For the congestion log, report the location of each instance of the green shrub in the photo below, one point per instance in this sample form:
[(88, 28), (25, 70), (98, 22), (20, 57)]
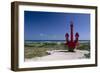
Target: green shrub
[(35, 52), (84, 47), (87, 55)]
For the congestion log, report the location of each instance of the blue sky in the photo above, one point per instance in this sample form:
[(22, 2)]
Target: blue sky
[(53, 26)]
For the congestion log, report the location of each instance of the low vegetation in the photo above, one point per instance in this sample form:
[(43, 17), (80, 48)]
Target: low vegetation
[(84, 46), (31, 52), (87, 55)]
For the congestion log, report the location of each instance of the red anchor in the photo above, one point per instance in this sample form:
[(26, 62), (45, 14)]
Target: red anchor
[(72, 43)]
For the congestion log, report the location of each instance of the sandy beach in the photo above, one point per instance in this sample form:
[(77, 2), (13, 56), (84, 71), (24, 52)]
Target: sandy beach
[(60, 55)]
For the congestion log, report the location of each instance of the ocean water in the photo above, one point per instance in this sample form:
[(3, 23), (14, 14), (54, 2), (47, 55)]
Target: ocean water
[(53, 41)]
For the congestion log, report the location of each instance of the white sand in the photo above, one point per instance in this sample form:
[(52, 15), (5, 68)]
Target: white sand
[(58, 55)]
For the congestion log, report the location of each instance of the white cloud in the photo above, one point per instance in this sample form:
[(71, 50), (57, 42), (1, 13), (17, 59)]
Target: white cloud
[(41, 34), (54, 36)]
